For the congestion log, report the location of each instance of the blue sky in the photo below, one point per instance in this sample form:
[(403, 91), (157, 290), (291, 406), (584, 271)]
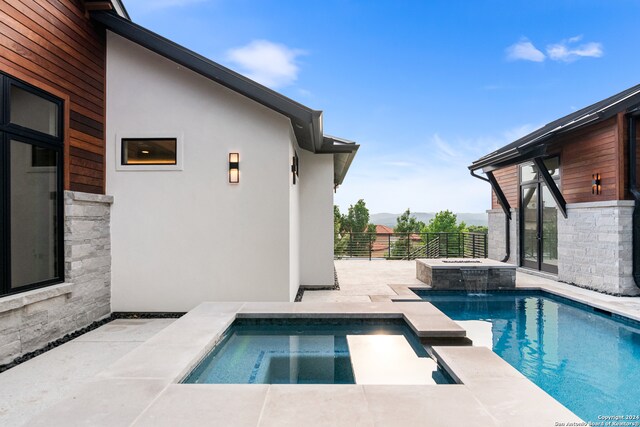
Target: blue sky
[(425, 87)]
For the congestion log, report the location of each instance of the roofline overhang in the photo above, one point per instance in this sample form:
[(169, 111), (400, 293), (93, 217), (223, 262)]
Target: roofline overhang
[(344, 151), (535, 144), (306, 122)]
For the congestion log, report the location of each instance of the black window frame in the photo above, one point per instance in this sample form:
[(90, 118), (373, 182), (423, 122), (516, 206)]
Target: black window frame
[(160, 138), (11, 131), (537, 183)]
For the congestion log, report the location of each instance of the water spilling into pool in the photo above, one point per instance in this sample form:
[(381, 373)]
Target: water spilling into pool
[(588, 361)]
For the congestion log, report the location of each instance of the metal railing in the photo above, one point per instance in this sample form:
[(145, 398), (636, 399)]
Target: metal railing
[(410, 245)]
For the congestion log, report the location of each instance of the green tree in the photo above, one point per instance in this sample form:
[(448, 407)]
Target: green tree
[(357, 218), (445, 222), (407, 223), (483, 229), (362, 233), (339, 242)]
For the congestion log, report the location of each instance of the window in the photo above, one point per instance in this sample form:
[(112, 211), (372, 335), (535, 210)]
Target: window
[(149, 151), (31, 209), (137, 152)]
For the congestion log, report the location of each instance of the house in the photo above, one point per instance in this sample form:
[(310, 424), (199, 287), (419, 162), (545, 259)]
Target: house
[(140, 176), (565, 197)]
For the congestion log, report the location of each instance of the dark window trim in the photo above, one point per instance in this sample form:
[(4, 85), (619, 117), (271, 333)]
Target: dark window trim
[(8, 132), (122, 151), (537, 183)]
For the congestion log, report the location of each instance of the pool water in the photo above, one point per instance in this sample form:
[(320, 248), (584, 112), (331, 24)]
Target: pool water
[(291, 351), (588, 361)]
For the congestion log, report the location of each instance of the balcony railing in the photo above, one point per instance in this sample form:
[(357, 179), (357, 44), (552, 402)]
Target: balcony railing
[(410, 245)]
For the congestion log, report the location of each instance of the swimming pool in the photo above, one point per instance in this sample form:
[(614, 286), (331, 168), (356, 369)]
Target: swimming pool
[(293, 351), (588, 361)]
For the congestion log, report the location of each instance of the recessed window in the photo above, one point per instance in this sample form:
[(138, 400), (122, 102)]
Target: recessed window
[(149, 151)]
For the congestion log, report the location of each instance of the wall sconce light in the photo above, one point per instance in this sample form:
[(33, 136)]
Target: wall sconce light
[(294, 167), (234, 168), (596, 184)]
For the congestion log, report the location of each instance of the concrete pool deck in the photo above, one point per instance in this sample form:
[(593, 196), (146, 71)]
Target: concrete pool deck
[(96, 378), (142, 388), (379, 280)]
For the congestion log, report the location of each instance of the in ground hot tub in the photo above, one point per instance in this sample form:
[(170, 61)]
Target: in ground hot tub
[(470, 274), (318, 351)]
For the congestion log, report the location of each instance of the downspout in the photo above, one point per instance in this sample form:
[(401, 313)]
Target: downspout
[(633, 190), (507, 228)]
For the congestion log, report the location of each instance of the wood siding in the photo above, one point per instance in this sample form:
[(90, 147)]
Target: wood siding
[(599, 148), (509, 182), (53, 45), (583, 153)]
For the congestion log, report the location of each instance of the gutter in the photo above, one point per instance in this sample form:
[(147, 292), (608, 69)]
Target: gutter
[(633, 190)]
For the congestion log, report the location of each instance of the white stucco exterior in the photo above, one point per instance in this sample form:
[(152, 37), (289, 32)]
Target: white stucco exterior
[(316, 222), (180, 237)]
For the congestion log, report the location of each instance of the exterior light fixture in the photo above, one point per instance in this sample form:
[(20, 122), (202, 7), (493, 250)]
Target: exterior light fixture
[(294, 167), (234, 168), (596, 184)]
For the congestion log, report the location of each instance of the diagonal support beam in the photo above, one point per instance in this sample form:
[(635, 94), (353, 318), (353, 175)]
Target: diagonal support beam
[(551, 185), (499, 194)]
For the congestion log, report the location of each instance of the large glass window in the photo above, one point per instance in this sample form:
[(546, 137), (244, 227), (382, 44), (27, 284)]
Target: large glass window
[(31, 225), (539, 217)]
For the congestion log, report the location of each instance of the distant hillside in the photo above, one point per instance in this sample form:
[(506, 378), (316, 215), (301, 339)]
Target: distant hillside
[(389, 219)]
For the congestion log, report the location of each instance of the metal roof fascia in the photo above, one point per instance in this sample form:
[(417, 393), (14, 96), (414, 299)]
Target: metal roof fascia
[(216, 72)]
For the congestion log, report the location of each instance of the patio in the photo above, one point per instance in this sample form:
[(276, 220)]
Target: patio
[(116, 375)]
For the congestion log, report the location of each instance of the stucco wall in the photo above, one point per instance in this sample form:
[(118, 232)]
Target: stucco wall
[(316, 230), (294, 223), (185, 236)]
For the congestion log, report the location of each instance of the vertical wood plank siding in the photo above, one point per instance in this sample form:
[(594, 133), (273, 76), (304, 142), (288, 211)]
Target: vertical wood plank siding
[(594, 149), (52, 44)]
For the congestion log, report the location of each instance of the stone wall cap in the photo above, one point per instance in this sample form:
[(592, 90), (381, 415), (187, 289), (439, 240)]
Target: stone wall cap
[(13, 302), (88, 197), (604, 204)]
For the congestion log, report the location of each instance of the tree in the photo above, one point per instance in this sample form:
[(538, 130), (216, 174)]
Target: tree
[(357, 218), (445, 222), (362, 233), (483, 229), (407, 223), (338, 242)]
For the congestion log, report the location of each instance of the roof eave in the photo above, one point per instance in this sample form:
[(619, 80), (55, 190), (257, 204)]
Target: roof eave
[(306, 122)]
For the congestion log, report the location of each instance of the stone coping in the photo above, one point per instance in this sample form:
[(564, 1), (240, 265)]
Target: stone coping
[(14, 302), (602, 204), (456, 263), (142, 388), (89, 197), (628, 307)]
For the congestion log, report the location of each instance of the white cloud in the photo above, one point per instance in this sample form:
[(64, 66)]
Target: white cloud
[(524, 50), (568, 51), (268, 63), (564, 51)]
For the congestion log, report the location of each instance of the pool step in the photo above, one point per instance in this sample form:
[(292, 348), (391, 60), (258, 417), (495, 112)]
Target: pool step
[(388, 359)]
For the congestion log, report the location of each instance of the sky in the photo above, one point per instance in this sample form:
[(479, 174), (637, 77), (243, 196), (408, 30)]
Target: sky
[(425, 87)]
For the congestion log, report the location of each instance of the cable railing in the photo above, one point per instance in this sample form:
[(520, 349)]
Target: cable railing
[(410, 245)]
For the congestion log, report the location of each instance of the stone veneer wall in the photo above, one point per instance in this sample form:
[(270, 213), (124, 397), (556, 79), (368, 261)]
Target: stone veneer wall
[(30, 320), (496, 242), (595, 247)]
